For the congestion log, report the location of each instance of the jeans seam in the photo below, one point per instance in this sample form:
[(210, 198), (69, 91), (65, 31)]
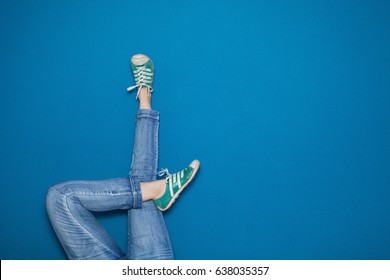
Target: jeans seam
[(155, 150)]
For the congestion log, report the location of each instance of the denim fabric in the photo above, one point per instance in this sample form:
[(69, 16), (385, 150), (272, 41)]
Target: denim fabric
[(69, 206)]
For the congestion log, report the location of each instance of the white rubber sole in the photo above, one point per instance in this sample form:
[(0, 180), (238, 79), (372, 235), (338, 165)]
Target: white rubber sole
[(195, 164)]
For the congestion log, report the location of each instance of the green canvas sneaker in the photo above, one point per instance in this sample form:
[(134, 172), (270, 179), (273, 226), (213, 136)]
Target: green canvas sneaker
[(143, 70), (175, 184)]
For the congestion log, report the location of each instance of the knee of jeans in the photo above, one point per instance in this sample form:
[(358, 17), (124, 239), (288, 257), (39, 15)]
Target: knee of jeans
[(51, 198), (54, 197)]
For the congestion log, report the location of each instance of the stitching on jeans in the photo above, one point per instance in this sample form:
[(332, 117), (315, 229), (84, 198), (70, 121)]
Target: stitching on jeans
[(156, 128), (134, 190)]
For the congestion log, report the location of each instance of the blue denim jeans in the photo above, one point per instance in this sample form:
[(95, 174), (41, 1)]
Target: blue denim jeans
[(70, 206)]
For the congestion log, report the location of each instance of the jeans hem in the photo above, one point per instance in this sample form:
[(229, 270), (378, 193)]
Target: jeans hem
[(148, 113), (135, 187)]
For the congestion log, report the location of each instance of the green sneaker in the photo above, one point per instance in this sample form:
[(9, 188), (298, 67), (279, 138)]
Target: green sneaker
[(143, 70), (175, 184)]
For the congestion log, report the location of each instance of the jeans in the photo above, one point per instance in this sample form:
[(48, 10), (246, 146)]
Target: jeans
[(70, 206)]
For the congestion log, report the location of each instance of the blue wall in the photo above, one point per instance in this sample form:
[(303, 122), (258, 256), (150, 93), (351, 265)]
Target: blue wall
[(285, 103)]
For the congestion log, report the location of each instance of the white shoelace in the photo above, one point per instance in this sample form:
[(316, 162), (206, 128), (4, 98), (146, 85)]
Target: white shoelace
[(142, 75), (164, 171)]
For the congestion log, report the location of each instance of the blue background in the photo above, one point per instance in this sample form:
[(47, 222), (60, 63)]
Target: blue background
[(285, 103)]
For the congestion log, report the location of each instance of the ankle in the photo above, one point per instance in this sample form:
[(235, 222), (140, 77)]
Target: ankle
[(160, 188), (145, 99)]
